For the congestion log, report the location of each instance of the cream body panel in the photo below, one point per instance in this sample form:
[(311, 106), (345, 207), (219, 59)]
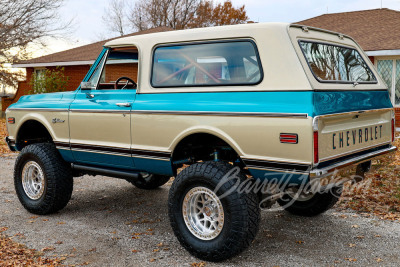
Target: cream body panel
[(282, 70), (59, 131), (331, 128), (101, 129), (251, 137)]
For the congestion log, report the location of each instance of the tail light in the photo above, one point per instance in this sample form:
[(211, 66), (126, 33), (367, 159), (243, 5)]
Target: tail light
[(315, 139), (11, 120), (393, 129), (316, 156)]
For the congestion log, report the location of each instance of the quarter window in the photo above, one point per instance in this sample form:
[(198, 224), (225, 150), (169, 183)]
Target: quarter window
[(206, 64), (332, 63)]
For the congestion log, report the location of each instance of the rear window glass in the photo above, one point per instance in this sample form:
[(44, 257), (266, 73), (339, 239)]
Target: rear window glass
[(331, 63), (206, 64)]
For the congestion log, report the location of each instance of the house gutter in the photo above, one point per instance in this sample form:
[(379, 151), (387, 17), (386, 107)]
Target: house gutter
[(53, 64), (377, 53)]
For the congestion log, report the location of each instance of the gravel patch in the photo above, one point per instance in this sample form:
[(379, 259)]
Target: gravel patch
[(109, 222)]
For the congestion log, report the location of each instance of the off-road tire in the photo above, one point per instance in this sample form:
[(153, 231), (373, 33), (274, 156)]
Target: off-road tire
[(58, 181), (241, 212), (150, 182), (318, 204)]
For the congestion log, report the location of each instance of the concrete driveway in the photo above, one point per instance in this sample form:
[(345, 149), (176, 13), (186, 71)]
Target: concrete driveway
[(109, 222)]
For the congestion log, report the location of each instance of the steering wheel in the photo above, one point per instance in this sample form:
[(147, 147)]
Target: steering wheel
[(127, 82)]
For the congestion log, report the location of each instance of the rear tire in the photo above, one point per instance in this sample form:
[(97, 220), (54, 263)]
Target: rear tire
[(42, 179), (209, 227), (311, 206), (150, 181)]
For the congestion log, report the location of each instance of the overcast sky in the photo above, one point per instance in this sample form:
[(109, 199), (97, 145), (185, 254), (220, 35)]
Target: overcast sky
[(89, 26)]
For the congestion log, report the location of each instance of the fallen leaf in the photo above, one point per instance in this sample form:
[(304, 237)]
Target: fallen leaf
[(47, 249), (352, 245)]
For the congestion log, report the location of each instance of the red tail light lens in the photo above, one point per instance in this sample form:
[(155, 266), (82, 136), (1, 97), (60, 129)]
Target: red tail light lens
[(392, 130), (316, 156), (11, 120)]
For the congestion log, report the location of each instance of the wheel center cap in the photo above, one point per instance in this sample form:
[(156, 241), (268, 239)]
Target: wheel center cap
[(207, 211)]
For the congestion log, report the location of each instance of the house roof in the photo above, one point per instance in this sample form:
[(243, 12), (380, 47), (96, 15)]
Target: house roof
[(375, 29), (83, 55)]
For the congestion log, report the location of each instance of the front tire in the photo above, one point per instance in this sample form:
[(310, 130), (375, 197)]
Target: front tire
[(209, 225), (43, 180)]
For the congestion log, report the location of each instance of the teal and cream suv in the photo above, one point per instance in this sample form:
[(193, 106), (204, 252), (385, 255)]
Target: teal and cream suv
[(236, 106)]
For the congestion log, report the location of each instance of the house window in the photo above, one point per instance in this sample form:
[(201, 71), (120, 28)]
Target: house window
[(40, 73), (389, 69)]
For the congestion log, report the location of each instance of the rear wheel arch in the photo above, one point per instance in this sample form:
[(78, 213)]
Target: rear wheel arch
[(200, 145)]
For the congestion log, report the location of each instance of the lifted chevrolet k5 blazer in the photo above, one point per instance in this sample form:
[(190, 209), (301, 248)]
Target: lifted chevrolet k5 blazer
[(239, 107)]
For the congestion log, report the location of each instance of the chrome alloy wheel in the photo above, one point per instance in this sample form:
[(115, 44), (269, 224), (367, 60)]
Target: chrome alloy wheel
[(203, 213), (33, 180)]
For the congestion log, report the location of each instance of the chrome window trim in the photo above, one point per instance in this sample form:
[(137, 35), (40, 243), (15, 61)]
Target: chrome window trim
[(39, 109), (210, 113), (100, 111), (355, 112)]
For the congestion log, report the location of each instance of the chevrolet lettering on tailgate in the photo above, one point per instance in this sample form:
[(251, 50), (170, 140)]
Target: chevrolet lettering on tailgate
[(359, 136)]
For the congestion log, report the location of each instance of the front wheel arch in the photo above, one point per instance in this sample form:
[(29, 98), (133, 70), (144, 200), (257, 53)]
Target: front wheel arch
[(31, 132)]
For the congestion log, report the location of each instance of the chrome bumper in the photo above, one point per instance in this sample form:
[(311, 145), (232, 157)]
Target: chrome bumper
[(326, 171), (11, 144)]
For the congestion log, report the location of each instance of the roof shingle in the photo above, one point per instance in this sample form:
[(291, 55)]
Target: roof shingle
[(375, 29)]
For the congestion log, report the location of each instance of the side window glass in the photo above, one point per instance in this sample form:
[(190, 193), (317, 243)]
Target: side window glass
[(206, 64), (120, 69)]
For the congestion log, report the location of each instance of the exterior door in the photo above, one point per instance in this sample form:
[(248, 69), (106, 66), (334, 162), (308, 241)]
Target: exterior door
[(100, 115), (100, 127)]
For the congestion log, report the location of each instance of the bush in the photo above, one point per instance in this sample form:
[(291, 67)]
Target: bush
[(49, 81)]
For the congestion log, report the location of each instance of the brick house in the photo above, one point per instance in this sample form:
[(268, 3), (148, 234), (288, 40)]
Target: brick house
[(378, 33), (76, 63)]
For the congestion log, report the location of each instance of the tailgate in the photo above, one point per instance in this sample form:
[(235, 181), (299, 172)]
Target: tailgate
[(352, 132)]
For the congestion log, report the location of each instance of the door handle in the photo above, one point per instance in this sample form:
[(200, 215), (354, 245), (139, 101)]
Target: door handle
[(123, 104)]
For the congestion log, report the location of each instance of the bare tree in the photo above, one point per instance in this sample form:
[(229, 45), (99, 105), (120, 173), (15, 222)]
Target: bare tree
[(23, 23), (115, 17), (176, 14)]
